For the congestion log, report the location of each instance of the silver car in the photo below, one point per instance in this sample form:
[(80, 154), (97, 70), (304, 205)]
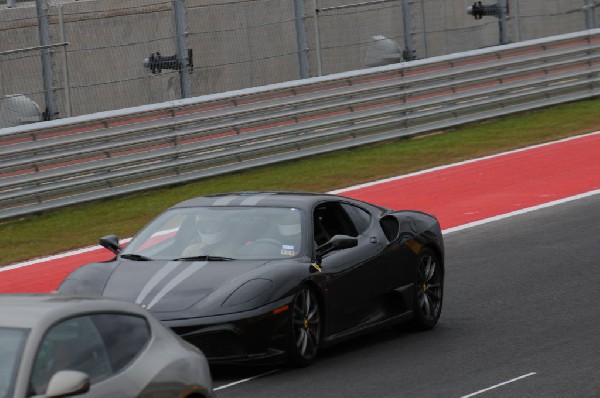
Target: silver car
[(55, 345)]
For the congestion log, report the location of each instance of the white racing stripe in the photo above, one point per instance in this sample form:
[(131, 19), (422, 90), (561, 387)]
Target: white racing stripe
[(155, 280), (177, 279)]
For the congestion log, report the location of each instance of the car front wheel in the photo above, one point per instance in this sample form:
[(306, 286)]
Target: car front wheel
[(305, 331)]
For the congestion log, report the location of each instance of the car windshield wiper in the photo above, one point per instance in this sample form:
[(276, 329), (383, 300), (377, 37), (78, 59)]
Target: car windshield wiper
[(204, 258), (135, 257)]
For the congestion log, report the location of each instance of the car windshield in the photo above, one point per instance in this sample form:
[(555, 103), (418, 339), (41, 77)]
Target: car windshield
[(219, 234), (11, 346)]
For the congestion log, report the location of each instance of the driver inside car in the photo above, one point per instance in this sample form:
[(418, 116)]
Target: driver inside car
[(210, 237), (280, 238)]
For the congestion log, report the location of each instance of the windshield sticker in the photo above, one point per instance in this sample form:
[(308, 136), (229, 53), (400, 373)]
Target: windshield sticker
[(288, 250)]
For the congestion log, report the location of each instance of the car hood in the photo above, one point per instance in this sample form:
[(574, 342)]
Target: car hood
[(168, 286)]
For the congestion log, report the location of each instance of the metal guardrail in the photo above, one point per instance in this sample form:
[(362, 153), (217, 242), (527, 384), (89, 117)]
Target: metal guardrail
[(54, 164)]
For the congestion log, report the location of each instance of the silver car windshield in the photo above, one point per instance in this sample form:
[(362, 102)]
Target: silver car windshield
[(219, 234), (12, 342)]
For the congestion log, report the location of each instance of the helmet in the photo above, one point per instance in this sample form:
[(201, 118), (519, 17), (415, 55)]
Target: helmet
[(289, 223), (210, 227)]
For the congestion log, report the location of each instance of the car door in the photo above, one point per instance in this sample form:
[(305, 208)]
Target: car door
[(400, 257), (354, 275)]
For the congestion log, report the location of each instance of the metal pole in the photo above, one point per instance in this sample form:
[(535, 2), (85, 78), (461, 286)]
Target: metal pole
[(182, 54), (51, 111), (425, 49), (409, 47), (503, 21), (301, 39), (590, 16), (317, 37), (518, 20), (65, 65)]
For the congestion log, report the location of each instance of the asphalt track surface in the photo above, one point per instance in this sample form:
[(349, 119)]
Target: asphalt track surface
[(520, 319)]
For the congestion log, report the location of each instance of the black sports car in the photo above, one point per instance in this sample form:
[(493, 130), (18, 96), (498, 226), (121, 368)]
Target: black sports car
[(269, 276)]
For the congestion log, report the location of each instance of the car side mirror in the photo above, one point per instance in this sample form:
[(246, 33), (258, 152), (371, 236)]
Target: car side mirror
[(338, 242), (111, 242), (67, 383)]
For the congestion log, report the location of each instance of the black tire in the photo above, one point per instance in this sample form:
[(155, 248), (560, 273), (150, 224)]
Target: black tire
[(305, 328), (429, 290)]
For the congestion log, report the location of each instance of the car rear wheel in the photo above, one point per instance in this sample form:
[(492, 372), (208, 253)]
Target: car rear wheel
[(429, 290), (305, 331)]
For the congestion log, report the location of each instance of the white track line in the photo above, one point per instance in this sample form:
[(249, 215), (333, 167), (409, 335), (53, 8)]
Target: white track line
[(245, 380), (447, 166), (521, 211), (499, 385), (56, 256)]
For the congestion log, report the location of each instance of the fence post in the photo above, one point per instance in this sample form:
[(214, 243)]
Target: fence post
[(503, 21), (517, 20), (590, 16), (301, 38), (424, 27), (65, 64), (51, 111), (317, 38), (408, 54), (182, 53)]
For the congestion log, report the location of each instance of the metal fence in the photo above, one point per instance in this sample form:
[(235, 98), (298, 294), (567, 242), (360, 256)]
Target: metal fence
[(63, 162), (97, 48)]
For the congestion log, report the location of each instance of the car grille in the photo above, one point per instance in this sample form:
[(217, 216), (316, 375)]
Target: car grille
[(217, 344)]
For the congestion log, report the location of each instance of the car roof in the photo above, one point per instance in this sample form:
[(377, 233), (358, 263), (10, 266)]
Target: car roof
[(301, 200), (29, 310)]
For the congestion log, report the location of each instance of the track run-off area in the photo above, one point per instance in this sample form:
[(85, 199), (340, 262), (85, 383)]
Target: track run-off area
[(460, 195), (522, 246)]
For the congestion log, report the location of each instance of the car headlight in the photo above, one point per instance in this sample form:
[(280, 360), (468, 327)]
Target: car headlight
[(248, 291)]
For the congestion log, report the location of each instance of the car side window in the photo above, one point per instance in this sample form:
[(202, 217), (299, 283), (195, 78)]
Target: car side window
[(124, 337), (360, 217), (97, 344), (329, 220), (73, 344)]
